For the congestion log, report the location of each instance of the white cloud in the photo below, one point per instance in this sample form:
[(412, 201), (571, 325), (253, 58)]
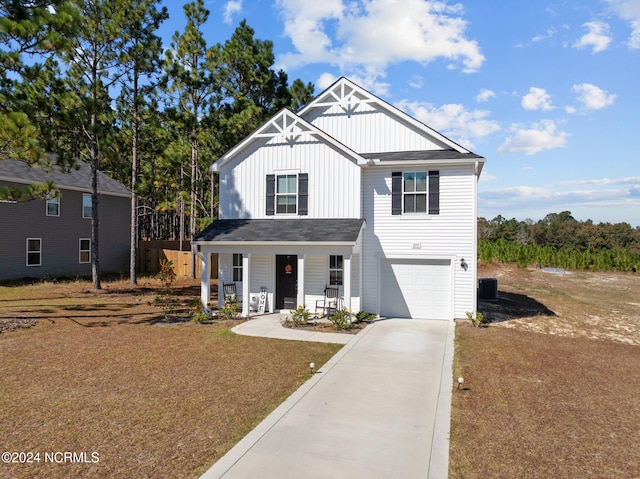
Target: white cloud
[(629, 10), (230, 9), (367, 37), (325, 81), (629, 180), (487, 177), (485, 95), (416, 81), (453, 120), (541, 136), (598, 37), (537, 99), (592, 97)]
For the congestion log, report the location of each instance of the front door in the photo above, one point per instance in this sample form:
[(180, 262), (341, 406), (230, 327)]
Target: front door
[(286, 281)]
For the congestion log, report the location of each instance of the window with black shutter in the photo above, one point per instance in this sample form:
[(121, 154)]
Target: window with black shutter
[(415, 192), (271, 195)]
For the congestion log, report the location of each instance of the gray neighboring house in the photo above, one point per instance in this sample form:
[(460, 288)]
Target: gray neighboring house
[(52, 237)]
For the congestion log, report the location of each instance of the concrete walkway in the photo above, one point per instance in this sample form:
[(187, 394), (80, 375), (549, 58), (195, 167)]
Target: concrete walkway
[(380, 408)]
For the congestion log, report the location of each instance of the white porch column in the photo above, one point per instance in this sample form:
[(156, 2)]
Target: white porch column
[(346, 282), (245, 284), (301, 280), (205, 279)]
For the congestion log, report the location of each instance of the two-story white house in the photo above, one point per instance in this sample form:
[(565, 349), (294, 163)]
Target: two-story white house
[(350, 192)]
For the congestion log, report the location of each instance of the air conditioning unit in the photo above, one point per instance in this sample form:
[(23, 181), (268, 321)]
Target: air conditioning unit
[(488, 289)]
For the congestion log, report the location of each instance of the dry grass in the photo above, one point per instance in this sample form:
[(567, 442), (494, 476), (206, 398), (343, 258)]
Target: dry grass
[(551, 387), (104, 372)]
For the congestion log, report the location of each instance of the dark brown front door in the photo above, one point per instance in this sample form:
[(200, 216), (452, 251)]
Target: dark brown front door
[(286, 281)]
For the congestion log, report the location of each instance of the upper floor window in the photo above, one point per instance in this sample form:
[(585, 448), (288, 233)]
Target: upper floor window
[(414, 191), (34, 251), (87, 208), (53, 206), (85, 250), (237, 267), (336, 270), (286, 194)]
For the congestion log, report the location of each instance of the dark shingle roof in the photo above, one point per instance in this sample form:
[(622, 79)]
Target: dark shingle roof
[(340, 230), (78, 178), (447, 154)]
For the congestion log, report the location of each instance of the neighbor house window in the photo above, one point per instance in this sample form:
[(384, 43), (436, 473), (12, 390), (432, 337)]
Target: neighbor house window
[(237, 267), (87, 210), (336, 270), (34, 251), (85, 250), (53, 206), (414, 191), (286, 194)]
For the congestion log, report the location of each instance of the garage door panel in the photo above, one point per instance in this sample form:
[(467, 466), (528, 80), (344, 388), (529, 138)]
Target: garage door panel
[(417, 289)]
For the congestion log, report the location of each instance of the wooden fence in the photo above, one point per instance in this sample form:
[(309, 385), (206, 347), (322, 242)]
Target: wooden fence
[(151, 252)]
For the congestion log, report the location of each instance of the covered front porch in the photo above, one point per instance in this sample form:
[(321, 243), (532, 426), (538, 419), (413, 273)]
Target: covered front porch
[(292, 260)]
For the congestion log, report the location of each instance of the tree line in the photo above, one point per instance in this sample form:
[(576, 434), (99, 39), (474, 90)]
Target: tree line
[(559, 240), (91, 80)]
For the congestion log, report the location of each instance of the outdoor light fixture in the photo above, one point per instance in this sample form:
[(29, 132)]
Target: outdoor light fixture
[(460, 381), (463, 264), (312, 366)]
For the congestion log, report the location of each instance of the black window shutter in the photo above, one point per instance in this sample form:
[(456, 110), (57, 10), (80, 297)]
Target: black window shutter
[(396, 193), (434, 192), (303, 193), (271, 195)]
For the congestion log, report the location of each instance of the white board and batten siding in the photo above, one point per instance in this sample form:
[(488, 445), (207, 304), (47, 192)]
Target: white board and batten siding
[(368, 129), (434, 243), (334, 181)]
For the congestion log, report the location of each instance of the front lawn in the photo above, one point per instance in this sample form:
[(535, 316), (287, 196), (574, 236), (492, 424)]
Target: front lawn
[(551, 386), (105, 373)]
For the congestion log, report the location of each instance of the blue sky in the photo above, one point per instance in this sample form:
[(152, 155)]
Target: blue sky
[(547, 92)]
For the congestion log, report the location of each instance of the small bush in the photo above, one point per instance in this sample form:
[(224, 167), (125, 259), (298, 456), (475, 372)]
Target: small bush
[(342, 319), (363, 316), (476, 319), (200, 317), (231, 308), (299, 316)]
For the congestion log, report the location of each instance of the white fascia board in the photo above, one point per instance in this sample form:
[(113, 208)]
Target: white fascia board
[(477, 163)]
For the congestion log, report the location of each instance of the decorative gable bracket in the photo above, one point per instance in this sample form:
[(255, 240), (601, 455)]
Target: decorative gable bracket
[(286, 126)]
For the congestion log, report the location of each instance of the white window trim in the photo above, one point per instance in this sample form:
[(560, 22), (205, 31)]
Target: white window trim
[(426, 194), (54, 200), (84, 195), (336, 269), (39, 252), (236, 267), (80, 250), (286, 173)]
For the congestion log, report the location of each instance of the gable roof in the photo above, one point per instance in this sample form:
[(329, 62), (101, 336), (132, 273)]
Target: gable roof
[(290, 127), (78, 178), (347, 94), (285, 230)]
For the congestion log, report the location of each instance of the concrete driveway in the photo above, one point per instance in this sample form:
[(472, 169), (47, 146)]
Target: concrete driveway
[(380, 408)]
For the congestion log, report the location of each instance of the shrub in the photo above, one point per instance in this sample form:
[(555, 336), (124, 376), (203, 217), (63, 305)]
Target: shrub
[(200, 317), (362, 316), (299, 316), (231, 308), (476, 319), (341, 319)]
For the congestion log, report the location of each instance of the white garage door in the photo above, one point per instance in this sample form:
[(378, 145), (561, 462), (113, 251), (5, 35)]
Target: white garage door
[(416, 289)]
